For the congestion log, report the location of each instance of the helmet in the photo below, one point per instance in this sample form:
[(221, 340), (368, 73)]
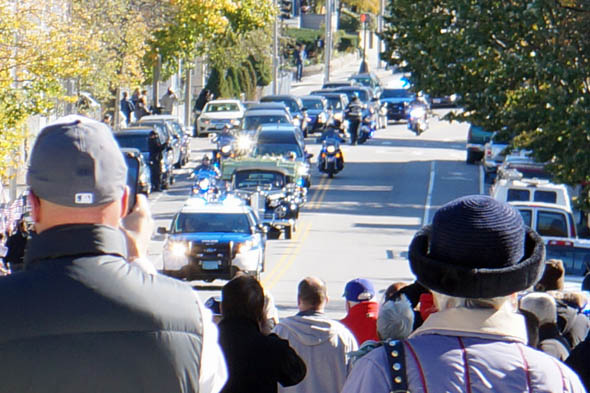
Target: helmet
[(205, 159)]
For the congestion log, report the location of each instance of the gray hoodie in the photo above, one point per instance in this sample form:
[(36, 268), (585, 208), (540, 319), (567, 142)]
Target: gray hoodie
[(323, 345)]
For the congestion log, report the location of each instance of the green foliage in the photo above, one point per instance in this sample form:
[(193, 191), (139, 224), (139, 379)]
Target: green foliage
[(519, 65), (263, 69), (349, 21), (307, 37), (234, 82), (214, 81), (344, 42)]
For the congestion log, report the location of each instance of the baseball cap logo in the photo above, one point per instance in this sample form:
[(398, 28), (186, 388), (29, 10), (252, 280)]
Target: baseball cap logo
[(84, 198)]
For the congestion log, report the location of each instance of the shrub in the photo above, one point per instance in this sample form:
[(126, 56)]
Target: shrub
[(345, 42)]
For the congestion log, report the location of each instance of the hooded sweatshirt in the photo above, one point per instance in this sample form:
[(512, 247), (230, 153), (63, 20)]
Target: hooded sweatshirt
[(323, 345)]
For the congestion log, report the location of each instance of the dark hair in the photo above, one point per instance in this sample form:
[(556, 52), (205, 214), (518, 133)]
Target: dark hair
[(243, 297), (312, 291)]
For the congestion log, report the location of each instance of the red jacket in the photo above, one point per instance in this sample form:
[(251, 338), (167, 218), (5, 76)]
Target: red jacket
[(361, 320)]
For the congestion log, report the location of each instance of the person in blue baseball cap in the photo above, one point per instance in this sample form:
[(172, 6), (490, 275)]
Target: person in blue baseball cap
[(361, 309)]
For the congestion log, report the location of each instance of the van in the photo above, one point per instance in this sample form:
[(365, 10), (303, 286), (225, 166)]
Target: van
[(547, 219), (531, 190), (574, 253)]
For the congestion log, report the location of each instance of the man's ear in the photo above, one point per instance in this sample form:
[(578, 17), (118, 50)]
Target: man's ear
[(35, 204)]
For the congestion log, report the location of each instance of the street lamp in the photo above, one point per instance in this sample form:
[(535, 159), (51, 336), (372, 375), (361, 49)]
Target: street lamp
[(364, 65)]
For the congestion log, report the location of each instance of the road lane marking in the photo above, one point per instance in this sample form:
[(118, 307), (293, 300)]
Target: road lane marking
[(426, 218), (481, 179), (288, 262), (292, 244)]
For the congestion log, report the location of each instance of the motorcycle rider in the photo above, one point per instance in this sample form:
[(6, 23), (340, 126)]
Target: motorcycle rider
[(332, 131), (156, 151), (354, 112), (206, 166)]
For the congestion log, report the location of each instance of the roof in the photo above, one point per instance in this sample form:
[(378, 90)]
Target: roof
[(279, 96), (276, 136), (543, 205), (277, 127)]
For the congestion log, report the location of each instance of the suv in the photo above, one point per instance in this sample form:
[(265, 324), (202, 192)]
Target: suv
[(208, 241), (477, 137), (548, 219)]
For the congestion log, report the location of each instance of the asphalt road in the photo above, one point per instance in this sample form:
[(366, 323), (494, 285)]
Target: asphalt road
[(360, 223)]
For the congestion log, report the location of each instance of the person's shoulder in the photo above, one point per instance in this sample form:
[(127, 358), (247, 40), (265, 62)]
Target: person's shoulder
[(545, 367)]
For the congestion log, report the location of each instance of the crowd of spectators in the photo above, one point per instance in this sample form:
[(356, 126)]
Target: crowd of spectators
[(487, 312)]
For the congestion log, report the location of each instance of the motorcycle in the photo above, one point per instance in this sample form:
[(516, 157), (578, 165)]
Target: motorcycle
[(418, 120), (225, 148), (205, 185), (331, 159), (368, 126)]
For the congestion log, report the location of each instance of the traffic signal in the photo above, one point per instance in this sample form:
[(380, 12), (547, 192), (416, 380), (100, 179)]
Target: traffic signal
[(286, 9)]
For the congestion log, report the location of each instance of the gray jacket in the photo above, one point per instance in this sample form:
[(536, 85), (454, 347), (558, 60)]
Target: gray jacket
[(463, 350), (81, 319), (323, 344)]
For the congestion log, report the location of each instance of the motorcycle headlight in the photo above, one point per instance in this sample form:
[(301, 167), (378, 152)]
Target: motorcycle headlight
[(244, 142), (296, 122), (331, 149), (177, 249), (225, 149), (418, 112), (322, 117), (204, 184)]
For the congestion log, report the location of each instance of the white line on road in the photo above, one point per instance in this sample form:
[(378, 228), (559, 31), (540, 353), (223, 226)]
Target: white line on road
[(481, 179), (426, 218)]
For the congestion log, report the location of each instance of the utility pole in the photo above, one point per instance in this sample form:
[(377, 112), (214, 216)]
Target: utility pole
[(328, 41), (275, 54), (380, 28)]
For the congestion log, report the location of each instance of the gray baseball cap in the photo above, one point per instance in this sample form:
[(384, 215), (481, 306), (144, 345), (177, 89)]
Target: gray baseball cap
[(76, 162)]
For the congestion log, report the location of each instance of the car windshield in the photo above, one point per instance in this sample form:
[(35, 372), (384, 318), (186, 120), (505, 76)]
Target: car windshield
[(576, 260), (277, 149), (211, 222), (397, 93), (137, 141), (292, 105), (255, 179), (222, 107), (313, 104), (334, 103), (365, 81), (362, 94), (252, 122)]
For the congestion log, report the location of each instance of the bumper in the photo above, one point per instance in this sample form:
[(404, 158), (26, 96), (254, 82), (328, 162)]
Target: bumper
[(475, 147), (191, 268)]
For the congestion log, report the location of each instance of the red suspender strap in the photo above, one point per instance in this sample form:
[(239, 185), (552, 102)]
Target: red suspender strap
[(415, 357), (526, 367), (465, 365)]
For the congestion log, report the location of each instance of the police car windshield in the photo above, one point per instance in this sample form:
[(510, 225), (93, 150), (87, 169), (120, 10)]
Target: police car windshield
[(211, 222), (312, 104), (252, 122)]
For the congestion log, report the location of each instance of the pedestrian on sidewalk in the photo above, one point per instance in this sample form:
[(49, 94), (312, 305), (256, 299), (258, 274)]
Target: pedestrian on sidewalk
[(299, 59), (127, 107), (81, 316), (168, 101)]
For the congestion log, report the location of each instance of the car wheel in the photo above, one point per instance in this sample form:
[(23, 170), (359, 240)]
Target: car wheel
[(470, 157)]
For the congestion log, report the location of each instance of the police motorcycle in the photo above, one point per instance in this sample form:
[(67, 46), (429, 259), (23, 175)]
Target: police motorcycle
[(368, 125), (331, 159), (418, 115), (225, 145)]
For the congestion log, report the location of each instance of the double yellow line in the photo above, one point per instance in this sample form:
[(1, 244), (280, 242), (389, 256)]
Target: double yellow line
[(277, 272)]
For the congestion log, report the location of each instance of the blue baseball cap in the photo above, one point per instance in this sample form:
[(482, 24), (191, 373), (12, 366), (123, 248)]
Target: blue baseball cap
[(359, 290)]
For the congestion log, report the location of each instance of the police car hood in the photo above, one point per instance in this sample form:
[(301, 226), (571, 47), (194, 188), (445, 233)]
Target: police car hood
[(212, 237)]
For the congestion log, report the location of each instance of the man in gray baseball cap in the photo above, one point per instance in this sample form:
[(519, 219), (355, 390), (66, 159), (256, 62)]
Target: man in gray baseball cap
[(81, 315)]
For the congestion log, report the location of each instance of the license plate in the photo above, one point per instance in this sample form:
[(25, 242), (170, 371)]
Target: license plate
[(437, 100), (210, 265)]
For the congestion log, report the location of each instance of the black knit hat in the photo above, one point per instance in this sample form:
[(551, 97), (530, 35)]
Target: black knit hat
[(477, 247)]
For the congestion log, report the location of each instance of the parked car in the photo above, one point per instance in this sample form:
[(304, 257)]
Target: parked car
[(477, 137), (139, 138), (522, 167), (397, 103), (177, 131), (208, 241), (144, 184), (494, 154), (317, 111), (447, 101), (531, 190), (173, 140), (548, 219), (336, 102), (296, 108), (369, 80), (217, 113)]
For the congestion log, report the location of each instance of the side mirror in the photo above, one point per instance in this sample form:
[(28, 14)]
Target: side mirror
[(162, 230)]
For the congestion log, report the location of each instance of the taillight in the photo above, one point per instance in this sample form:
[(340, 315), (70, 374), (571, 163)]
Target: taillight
[(563, 243)]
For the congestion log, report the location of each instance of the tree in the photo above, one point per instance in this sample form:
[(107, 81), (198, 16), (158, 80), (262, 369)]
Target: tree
[(37, 52), (519, 66)]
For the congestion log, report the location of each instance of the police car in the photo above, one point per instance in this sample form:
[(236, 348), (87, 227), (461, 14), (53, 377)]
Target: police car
[(208, 241)]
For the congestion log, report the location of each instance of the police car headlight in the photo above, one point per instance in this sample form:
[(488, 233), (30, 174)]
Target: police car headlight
[(177, 249), (245, 247), (330, 149), (225, 149), (296, 122)]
